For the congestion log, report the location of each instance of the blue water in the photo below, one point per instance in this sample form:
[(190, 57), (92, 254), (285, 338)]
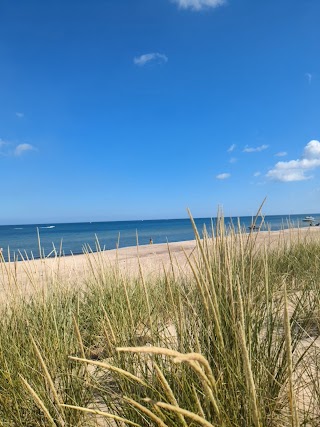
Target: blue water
[(23, 238)]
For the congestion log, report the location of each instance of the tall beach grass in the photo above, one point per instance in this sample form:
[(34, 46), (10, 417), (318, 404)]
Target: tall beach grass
[(228, 339)]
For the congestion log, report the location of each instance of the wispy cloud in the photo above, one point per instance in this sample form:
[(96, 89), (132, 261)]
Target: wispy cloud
[(233, 160), (9, 149), (255, 149), (257, 174), (2, 143), (296, 170), (19, 115), (22, 148), (281, 154), (231, 148), (199, 4), (309, 77), (3, 148), (150, 57), (223, 176)]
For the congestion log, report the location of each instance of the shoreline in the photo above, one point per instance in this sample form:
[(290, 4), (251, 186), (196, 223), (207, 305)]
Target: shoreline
[(154, 248), (52, 255), (28, 276)]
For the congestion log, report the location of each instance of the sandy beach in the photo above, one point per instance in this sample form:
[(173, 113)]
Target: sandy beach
[(28, 276)]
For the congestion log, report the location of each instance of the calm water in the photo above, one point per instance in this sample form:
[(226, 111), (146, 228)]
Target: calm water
[(75, 235)]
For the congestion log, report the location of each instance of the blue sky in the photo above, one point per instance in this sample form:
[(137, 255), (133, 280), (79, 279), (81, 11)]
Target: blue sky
[(138, 109)]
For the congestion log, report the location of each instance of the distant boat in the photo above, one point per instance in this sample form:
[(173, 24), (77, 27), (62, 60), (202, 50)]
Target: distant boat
[(309, 219)]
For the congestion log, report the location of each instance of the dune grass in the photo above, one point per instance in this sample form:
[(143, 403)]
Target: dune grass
[(231, 341)]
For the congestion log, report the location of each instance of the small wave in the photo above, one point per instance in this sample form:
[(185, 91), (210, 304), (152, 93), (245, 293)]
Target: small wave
[(49, 226), (18, 228)]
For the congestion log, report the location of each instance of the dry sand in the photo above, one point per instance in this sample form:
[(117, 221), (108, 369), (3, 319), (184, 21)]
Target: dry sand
[(25, 277), (28, 276)]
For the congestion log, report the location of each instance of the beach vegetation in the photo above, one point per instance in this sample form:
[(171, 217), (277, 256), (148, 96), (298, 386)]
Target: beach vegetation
[(230, 338)]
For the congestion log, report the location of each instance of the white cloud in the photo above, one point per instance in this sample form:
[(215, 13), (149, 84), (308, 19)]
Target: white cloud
[(223, 176), (255, 149), (20, 115), (281, 154), (22, 148), (199, 4), (257, 174), (308, 77), (231, 148), (150, 57), (295, 170), (233, 160), (312, 150)]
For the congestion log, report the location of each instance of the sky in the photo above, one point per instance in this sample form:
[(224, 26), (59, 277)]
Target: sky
[(140, 109)]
